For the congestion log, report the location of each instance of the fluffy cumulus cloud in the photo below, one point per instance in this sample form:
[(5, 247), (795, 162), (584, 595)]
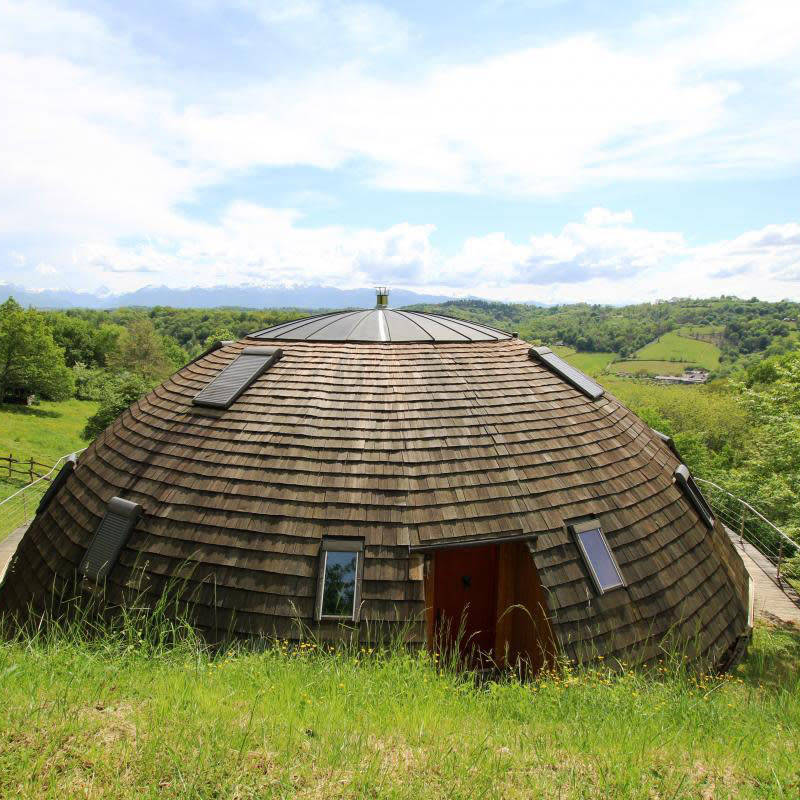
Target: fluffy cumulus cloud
[(604, 257), (105, 143)]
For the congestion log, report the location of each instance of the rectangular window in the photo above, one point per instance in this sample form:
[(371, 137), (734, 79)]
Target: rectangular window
[(599, 559), (250, 364), (686, 482), (341, 567)]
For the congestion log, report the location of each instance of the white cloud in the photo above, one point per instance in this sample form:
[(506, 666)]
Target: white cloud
[(102, 147), (603, 246), (588, 260)]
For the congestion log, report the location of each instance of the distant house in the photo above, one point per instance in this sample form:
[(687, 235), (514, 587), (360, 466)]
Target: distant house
[(690, 376)]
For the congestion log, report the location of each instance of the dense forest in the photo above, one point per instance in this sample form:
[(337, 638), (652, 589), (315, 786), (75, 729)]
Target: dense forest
[(742, 429), (740, 327)]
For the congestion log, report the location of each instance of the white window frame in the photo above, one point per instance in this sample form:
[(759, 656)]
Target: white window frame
[(332, 544)]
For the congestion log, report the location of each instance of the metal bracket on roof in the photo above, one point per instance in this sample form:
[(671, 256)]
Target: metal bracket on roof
[(668, 441), (574, 377), (686, 482)]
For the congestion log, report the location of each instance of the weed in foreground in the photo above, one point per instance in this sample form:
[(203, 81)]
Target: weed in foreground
[(131, 710)]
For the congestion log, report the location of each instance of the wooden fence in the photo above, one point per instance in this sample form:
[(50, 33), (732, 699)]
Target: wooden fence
[(29, 468)]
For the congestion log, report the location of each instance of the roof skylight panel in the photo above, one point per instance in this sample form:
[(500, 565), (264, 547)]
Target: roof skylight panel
[(237, 376), (574, 377)]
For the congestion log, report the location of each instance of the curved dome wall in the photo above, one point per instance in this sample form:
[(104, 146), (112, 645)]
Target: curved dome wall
[(405, 445)]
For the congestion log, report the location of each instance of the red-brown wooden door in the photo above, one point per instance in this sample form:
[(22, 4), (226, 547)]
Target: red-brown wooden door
[(465, 588)]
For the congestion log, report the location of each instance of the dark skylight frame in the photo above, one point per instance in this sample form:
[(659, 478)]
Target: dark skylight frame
[(67, 468), (574, 377), (684, 479), (110, 537), (341, 567), (597, 555), (668, 441), (234, 379)]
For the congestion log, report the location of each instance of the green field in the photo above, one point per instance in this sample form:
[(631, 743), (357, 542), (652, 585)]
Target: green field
[(126, 717), (674, 347), (702, 331), (591, 363), (44, 432), (650, 368)]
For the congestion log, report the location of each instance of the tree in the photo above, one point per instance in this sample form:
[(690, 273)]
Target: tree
[(220, 334), (76, 336), (106, 342), (30, 361), (141, 351), (116, 394)]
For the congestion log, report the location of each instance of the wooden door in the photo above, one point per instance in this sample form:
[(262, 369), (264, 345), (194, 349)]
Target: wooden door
[(465, 599)]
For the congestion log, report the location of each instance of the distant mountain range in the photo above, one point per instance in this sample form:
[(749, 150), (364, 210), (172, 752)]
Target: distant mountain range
[(236, 296)]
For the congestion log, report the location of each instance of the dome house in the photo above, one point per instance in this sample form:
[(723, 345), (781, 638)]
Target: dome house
[(362, 472)]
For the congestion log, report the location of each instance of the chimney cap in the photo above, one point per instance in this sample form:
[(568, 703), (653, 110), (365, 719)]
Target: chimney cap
[(382, 299)]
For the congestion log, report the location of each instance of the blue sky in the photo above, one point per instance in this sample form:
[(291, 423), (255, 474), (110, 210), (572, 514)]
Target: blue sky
[(515, 149)]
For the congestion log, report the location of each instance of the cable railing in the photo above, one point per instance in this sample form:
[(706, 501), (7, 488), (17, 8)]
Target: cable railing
[(750, 525), (20, 508)]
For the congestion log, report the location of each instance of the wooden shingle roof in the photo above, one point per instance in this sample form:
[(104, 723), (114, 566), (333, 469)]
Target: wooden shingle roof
[(406, 445)]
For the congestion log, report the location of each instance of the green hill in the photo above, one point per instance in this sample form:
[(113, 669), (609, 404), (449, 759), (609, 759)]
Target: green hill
[(676, 346)]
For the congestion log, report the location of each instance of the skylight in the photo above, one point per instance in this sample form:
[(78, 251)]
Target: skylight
[(583, 383), (685, 480), (237, 376), (110, 537), (53, 489), (597, 555)]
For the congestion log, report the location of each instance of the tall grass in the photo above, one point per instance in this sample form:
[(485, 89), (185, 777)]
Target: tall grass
[(143, 710)]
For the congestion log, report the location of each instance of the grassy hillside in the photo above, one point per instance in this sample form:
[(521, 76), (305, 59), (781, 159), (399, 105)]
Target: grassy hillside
[(674, 346), (44, 432), (121, 718), (590, 363)]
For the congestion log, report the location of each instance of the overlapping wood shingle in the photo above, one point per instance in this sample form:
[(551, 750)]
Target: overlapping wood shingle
[(406, 445)]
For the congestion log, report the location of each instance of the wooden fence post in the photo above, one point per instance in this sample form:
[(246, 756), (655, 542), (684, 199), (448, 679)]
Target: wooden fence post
[(30, 471)]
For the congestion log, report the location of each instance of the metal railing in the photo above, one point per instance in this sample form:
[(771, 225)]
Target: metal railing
[(20, 508), (750, 525)]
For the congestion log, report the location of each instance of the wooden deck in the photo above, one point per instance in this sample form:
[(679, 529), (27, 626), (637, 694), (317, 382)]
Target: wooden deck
[(774, 603)]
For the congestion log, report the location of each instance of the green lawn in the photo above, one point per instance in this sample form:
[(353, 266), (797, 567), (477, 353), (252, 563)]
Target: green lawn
[(591, 363), (121, 718), (674, 347), (650, 367), (44, 432)]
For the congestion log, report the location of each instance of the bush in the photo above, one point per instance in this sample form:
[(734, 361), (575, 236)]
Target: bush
[(116, 394)]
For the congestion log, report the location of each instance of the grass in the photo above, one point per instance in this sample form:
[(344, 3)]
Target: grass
[(651, 368), (673, 346), (591, 363), (44, 432), (702, 331), (123, 715)]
